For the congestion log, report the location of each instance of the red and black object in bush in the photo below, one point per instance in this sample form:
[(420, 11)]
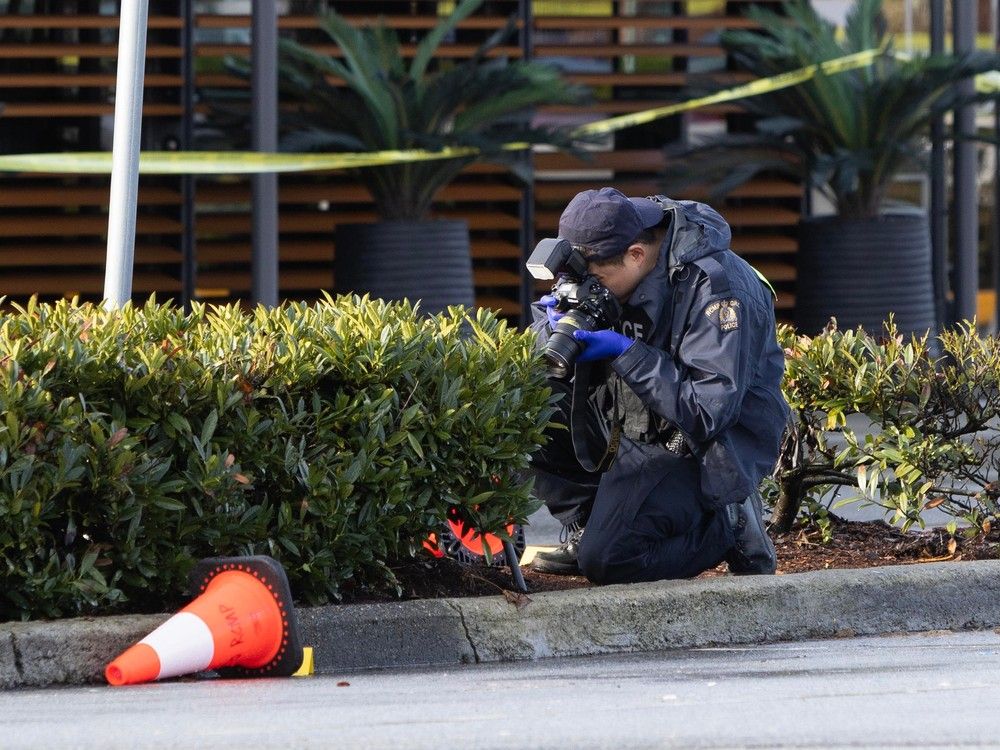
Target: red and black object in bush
[(460, 541)]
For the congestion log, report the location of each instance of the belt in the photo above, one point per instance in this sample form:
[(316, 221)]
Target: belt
[(675, 443)]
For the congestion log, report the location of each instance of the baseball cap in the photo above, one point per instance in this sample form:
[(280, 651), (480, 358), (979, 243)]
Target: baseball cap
[(606, 221)]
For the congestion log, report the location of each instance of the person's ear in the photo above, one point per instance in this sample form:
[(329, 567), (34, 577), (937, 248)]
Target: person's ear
[(636, 253)]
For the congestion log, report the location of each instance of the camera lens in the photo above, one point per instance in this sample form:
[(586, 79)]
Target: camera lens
[(562, 349), (558, 366)]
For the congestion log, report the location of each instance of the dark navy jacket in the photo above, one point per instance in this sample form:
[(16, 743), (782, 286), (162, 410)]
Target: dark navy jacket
[(706, 359)]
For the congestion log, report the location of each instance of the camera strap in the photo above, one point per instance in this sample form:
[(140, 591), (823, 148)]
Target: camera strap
[(578, 424)]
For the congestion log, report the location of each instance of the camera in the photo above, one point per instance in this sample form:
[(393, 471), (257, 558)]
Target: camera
[(588, 305)]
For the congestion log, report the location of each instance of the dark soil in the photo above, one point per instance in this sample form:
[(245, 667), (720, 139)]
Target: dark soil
[(868, 544), (854, 544)]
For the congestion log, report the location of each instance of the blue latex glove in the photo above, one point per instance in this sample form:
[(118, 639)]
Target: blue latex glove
[(601, 344), (549, 303)]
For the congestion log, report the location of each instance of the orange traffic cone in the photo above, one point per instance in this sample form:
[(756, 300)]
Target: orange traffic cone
[(459, 540), (242, 623)]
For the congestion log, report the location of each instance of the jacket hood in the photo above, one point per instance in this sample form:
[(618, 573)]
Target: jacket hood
[(698, 230)]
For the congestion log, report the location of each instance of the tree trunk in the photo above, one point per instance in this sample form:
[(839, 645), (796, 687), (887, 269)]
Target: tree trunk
[(789, 501)]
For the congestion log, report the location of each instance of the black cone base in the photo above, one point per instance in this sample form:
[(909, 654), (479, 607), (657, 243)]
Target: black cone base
[(268, 571)]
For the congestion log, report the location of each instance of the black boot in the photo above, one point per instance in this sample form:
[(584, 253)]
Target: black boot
[(561, 561), (754, 552)]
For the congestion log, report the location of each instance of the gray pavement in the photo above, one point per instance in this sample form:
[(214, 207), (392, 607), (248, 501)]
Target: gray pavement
[(929, 690)]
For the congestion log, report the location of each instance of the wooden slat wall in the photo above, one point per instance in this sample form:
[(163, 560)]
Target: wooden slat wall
[(57, 78), (644, 55)]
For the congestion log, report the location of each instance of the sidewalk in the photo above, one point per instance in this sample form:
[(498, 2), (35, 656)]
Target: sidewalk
[(611, 619)]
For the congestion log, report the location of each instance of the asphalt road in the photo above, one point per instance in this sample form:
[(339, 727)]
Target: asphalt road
[(930, 690)]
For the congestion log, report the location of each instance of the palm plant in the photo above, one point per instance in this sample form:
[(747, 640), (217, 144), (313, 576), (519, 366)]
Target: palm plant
[(848, 134), (389, 104)]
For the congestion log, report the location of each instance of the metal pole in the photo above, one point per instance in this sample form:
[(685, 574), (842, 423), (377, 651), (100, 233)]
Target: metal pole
[(908, 25), (125, 153), (996, 185), (515, 566), (938, 189), (966, 189), (264, 94), (528, 193), (189, 251)]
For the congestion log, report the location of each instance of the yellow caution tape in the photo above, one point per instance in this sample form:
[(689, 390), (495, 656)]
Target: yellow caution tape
[(218, 162), (988, 83), (754, 88), (254, 162)]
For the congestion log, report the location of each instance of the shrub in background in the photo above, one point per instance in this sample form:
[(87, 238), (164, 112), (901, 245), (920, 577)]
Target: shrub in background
[(333, 437), (932, 441)]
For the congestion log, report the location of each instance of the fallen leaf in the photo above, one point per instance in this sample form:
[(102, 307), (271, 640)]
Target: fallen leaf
[(942, 558), (343, 683), (952, 546), (518, 599), (987, 526), (934, 503), (117, 437)]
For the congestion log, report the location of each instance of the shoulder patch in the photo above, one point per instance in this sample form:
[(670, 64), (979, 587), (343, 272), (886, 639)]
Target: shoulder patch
[(724, 313)]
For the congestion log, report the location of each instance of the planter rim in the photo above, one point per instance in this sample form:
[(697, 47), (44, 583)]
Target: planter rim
[(885, 216), (402, 222)]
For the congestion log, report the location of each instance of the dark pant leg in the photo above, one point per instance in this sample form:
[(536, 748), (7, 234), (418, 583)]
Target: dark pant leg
[(560, 482), (664, 532)]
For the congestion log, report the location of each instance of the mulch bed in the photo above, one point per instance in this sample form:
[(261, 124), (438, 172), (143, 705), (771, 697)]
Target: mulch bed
[(855, 544), (868, 544)]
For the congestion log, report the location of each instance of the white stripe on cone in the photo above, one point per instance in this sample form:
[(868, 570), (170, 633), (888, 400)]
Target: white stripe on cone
[(183, 643)]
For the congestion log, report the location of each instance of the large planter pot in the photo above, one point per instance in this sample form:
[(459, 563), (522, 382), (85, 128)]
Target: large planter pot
[(428, 261), (861, 270)]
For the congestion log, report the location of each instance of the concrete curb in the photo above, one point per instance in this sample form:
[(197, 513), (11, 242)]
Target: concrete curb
[(611, 619)]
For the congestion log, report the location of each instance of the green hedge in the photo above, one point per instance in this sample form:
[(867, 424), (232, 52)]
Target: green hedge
[(924, 431), (333, 437)]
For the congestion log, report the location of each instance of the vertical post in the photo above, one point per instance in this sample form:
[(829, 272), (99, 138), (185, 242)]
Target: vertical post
[(189, 254), (966, 193), (264, 94), (515, 566), (995, 20), (938, 189), (125, 153), (908, 25), (528, 193)]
